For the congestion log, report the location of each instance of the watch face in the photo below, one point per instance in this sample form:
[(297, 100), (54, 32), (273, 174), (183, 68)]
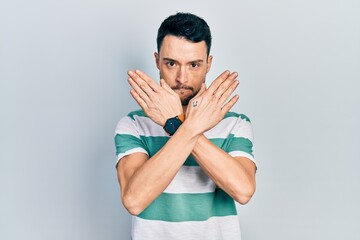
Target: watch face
[(172, 125)]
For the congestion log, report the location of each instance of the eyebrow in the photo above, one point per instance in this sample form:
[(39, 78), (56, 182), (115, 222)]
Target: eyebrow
[(173, 60)]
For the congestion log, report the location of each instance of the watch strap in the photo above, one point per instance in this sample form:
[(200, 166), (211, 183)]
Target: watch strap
[(181, 117), (172, 124)]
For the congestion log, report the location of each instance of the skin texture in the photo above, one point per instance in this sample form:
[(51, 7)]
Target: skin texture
[(183, 66)]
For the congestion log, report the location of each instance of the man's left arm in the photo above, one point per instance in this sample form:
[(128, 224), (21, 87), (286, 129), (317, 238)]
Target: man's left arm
[(235, 175)]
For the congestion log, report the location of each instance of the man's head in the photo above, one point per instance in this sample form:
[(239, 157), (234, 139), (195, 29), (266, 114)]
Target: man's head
[(184, 42), (187, 26)]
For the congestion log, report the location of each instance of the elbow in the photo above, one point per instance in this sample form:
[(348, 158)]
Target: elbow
[(131, 205), (243, 196), (243, 199)]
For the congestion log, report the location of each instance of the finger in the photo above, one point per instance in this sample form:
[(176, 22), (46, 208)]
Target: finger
[(226, 108), (215, 84), (166, 86), (223, 87), (139, 91), (138, 99), (149, 80), (141, 83), (229, 91)]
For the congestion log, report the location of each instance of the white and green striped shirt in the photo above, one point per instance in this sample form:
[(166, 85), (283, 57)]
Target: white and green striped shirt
[(192, 206)]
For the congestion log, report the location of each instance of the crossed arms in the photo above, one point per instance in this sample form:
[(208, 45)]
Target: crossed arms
[(143, 179)]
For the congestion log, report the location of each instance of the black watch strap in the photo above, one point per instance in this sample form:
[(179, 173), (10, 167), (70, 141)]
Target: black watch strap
[(172, 124)]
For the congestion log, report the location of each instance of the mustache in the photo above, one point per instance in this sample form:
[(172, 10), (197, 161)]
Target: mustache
[(182, 86)]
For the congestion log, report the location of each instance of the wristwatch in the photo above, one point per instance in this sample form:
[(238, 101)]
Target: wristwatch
[(172, 124)]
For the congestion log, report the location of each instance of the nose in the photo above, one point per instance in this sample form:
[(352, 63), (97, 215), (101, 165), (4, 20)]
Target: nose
[(182, 75)]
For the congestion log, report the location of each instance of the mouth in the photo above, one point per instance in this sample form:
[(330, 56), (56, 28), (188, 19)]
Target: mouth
[(182, 90)]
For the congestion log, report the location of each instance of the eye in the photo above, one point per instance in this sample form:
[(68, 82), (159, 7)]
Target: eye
[(194, 65), (170, 64)]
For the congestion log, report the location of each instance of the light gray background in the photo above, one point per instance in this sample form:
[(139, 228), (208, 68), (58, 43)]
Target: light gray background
[(63, 88)]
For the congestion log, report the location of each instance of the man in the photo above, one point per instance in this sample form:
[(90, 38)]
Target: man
[(184, 158)]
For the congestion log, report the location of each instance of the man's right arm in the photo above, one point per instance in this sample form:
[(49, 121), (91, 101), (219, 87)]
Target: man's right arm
[(142, 179)]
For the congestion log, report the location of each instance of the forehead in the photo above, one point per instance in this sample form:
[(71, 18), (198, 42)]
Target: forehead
[(180, 49)]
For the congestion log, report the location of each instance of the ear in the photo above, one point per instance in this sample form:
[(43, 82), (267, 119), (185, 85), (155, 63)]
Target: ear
[(156, 55), (209, 62)]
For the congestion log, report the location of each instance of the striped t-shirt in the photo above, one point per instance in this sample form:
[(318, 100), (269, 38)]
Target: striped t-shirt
[(192, 206)]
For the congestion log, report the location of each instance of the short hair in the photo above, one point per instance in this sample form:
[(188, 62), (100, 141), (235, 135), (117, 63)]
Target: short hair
[(185, 25)]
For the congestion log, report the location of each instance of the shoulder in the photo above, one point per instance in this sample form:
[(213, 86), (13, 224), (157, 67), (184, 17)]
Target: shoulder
[(238, 116), (133, 117), (138, 122), (137, 113), (242, 127), (232, 124), (241, 124), (129, 121)]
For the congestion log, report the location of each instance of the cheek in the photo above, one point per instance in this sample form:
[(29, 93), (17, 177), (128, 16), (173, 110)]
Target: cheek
[(198, 76), (166, 74)]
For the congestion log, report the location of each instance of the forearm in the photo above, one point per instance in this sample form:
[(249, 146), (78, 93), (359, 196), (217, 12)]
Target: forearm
[(152, 178), (228, 173)]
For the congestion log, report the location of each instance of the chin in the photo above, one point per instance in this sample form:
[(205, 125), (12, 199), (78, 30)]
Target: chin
[(185, 101)]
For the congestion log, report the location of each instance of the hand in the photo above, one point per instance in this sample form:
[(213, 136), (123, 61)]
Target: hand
[(209, 106), (159, 102)]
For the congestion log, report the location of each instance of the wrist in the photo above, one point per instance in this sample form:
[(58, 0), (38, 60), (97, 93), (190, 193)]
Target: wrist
[(190, 128), (172, 124)]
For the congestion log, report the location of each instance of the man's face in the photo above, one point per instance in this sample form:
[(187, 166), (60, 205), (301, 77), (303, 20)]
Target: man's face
[(183, 65)]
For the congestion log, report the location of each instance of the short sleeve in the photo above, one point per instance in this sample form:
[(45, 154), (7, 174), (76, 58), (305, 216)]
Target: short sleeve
[(127, 139), (242, 139)]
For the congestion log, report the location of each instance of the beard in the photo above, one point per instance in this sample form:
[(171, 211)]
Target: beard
[(185, 100)]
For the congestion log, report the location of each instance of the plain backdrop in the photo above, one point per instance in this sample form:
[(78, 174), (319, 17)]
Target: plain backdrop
[(64, 87)]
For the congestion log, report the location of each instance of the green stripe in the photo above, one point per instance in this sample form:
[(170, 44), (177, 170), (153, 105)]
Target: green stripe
[(125, 142), (234, 114), (234, 144), (139, 113), (190, 207), (152, 145), (241, 144), (190, 161)]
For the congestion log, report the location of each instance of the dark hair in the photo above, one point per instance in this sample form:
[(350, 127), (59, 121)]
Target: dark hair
[(186, 25)]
